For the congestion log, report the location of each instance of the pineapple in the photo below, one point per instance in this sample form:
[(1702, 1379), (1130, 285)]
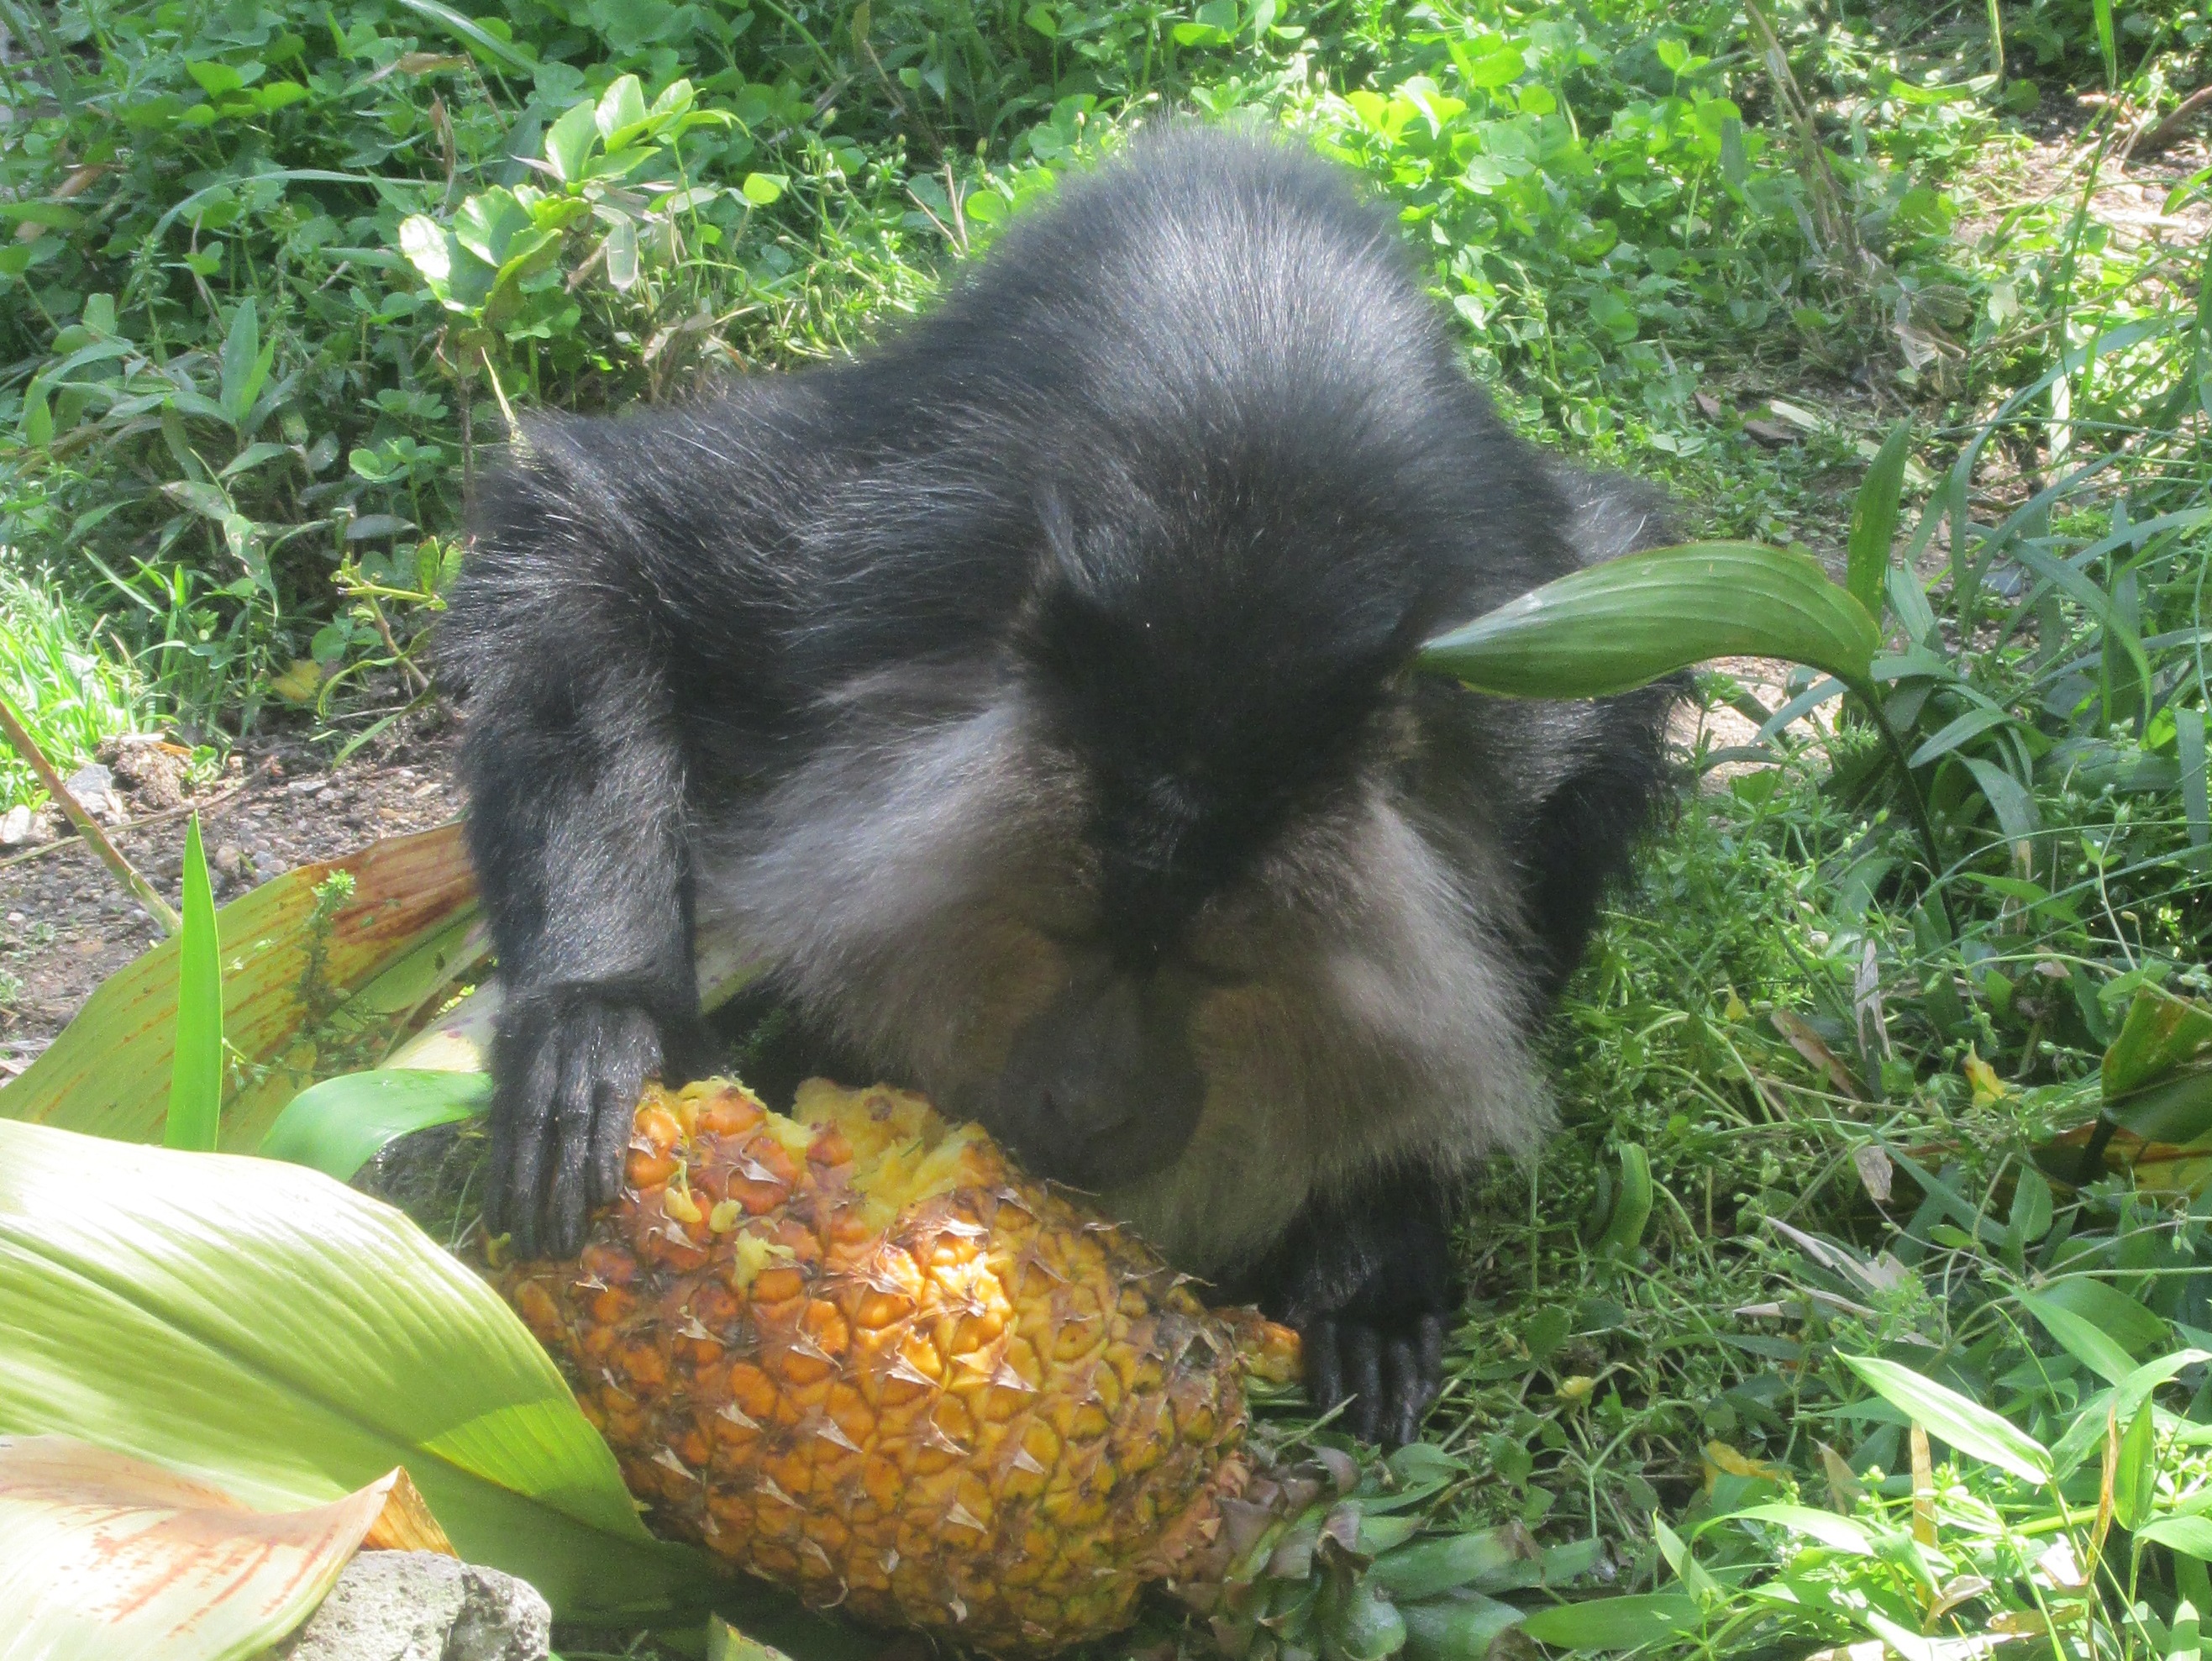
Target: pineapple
[(856, 1351)]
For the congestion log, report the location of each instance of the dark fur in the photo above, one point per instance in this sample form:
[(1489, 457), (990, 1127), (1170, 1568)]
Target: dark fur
[(1030, 697)]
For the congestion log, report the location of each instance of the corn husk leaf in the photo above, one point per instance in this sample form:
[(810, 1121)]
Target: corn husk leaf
[(337, 1126), (1622, 624), (104, 1555), (245, 1317), (301, 1001)]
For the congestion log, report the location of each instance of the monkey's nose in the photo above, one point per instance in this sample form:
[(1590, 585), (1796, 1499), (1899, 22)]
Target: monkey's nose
[(1099, 1088)]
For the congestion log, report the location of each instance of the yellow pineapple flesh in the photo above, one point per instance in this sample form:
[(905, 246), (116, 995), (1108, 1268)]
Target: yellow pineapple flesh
[(856, 1351)]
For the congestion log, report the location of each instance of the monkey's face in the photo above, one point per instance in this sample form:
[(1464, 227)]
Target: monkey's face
[(1150, 900)]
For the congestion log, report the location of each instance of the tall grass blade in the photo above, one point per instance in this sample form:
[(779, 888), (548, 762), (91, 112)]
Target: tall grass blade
[(195, 1116), (2108, 47)]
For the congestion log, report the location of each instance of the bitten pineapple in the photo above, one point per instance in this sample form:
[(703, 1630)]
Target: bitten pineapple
[(857, 1352)]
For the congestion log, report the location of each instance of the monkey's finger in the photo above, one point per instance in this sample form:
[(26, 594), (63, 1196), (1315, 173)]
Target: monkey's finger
[(1362, 1367), (1406, 1393), (1431, 1340), (1324, 1365), (563, 1219), (519, 1135), (632, 1052)]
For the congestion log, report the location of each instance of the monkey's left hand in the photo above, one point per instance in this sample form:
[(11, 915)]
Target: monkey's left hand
[(569, 1062), (1366, 1279)]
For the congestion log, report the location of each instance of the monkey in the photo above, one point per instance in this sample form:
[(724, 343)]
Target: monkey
[(1031, 697)]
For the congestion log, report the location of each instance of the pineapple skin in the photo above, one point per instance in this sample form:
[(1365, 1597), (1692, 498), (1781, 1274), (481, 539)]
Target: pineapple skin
[(976, 1410)]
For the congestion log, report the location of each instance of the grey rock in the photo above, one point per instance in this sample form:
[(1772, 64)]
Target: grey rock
[(93, 787), (420, 1606), (14, 826)]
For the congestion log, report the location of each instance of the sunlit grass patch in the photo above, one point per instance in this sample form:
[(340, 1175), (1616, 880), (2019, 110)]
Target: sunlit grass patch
[(73, 687)]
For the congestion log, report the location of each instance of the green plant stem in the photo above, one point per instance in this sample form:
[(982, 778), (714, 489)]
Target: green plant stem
[(1915, 802), (19, 736)]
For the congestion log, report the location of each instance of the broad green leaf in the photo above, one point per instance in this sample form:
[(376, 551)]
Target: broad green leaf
[(761, 188), (569, 142), (2082, 1339), (247, 1317), (194, 1119), (203, 499), (1622, 625), (2135, 1477), (622, 107), (1952, 734), (2087, 1432), (2161, 1034), (490, 222), (1966, 1425), (104, 1556), (2030, 1217), (2010, 800), (2191, 1535), (1615, 1623), (622, 255), (412, 899), (1425, 1568), (1840, 1533), (2136, 1329), (245, 361), (251, 457), (1460, 1627), (2176, 1111), (1874, 518), (1632, 1210), (337, 1126), (38, 420), (423, 239), (1681, 1559)]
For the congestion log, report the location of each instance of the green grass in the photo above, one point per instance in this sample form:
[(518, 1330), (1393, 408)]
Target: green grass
[(276, 267), (73, 685)]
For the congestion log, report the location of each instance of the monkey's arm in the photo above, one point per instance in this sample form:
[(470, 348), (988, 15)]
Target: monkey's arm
[(576, 784), (1366, 1278)]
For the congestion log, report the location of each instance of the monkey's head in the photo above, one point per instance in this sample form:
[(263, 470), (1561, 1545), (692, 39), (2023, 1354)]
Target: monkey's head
[(1185, 881)]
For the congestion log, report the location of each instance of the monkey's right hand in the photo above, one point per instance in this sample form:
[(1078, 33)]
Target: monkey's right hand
[(568, 1064)]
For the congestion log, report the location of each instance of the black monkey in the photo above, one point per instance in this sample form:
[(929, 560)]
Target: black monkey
[(1031, 695)]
